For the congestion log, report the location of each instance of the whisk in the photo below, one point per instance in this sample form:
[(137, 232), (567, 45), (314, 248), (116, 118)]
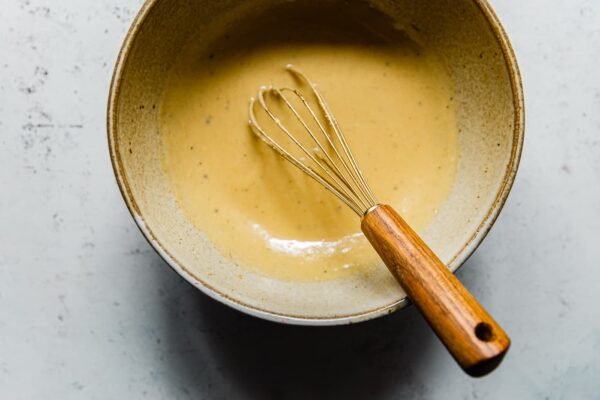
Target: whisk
[(318, 147)]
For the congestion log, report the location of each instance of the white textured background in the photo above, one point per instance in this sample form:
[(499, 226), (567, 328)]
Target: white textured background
[(89, 311)]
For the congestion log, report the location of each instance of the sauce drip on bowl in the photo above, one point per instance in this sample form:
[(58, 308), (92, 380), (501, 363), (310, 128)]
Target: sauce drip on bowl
[(392, 98)]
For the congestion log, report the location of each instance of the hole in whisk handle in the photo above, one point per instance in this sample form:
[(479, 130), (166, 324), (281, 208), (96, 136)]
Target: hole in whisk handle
[(484, 332)]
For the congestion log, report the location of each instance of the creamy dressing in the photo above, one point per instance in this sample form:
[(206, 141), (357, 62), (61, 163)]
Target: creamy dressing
[(392, 98)]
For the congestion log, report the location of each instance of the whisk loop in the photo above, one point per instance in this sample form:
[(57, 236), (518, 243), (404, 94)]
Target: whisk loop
[(330, 162)]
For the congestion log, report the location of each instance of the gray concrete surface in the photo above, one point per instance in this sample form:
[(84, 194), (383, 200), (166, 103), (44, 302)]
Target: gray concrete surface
[(89, 311)]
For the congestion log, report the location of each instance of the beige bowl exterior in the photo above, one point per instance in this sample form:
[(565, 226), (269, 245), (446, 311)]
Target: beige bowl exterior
[(489, 100)]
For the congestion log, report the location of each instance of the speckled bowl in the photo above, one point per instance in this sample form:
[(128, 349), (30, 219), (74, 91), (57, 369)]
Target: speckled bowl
[(489, 100)]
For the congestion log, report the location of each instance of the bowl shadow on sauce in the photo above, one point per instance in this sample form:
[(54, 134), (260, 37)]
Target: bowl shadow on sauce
[(213, 351)]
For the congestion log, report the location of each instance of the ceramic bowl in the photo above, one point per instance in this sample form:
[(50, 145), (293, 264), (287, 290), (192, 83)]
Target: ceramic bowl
[(489, 101)]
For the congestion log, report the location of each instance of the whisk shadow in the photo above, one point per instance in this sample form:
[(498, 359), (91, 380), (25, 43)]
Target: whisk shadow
[(217, 352)]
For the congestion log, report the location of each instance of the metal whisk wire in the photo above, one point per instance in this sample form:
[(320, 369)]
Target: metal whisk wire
[(337, 169)]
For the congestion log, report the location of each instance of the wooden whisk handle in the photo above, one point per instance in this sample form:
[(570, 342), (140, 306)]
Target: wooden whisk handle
[(473, 338)]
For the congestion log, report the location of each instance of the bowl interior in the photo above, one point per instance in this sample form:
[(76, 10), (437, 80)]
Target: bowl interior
[(488, 101)]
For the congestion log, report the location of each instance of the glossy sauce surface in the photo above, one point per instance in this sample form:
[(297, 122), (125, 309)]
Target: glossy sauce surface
[(393, 100)]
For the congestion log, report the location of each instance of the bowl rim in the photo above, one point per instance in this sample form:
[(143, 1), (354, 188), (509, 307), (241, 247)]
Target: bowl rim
[(455, 263)]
